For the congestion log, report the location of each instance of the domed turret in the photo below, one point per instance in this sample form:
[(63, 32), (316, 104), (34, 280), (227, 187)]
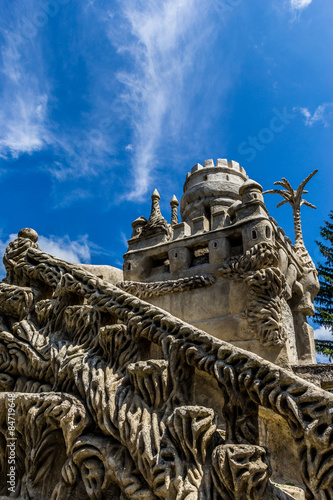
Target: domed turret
[(250, 191), (137, 226), (211, 189)]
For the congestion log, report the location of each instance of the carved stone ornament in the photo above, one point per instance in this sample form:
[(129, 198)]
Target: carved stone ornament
[(158, 288), (94, 415), (267, 287), (156, 222)]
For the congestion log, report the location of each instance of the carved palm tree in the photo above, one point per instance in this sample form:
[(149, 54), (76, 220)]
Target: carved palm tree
[(294, 198)]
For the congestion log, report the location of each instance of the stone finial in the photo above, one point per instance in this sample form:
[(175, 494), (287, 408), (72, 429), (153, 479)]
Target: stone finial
[(156, 222), (137, 226), (251, 191), (174, 211), (155, 194), (29, 234), (155, 205), (250, 184)]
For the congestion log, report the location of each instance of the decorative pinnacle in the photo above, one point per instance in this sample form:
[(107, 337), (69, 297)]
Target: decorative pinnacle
[(28, 233), (155, 194), (174, 201), (174, 211), (155, 205)]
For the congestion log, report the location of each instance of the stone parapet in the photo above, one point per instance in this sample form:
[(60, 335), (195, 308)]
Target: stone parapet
[(320, 374)]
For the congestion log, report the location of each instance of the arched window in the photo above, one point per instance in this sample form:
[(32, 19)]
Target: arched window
[(268, 232), (254, 234)]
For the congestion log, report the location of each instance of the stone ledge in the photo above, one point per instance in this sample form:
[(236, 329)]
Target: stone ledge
[(319, 374)]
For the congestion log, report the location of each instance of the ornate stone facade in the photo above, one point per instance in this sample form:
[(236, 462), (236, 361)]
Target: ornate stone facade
[(262, 287), (107, 396)]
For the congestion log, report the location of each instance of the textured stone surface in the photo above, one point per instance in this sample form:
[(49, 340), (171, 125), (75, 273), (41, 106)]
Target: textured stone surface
[(319, 374), (263, 287), (111, 274), (110, 402)]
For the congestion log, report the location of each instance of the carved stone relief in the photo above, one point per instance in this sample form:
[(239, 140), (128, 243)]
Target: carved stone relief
[(97, 418)]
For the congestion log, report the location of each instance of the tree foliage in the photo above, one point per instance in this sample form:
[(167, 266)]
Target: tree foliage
[(324, 299), (325, 347)]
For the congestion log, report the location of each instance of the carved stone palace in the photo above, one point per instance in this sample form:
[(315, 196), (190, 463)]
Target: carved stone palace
[(175, 378), (241, 278)]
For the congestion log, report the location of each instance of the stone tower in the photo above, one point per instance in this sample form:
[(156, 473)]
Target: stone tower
[(226, 267)]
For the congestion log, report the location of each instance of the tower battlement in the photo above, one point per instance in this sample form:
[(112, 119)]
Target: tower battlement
[(220, 163)]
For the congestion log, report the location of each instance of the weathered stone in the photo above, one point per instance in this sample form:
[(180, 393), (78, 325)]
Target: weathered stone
[(105, 395), (247, 246)]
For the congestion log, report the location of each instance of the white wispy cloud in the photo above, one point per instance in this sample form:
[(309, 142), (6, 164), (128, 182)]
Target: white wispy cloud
[(24, 103), (72, 197), (124, 239), (77, 251), (322, 333), (162, 47), (28, 98), (299, 4), (323, 114)]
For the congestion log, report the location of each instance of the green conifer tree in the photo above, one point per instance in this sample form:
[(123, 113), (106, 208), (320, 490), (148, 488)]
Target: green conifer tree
[(324, 299)]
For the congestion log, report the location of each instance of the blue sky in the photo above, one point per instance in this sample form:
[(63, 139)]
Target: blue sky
[(102, 101)]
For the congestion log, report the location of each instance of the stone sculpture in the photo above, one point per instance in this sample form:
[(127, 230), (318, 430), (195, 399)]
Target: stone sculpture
[(262, 287), (107, 396), (294, 199), (104, 403)]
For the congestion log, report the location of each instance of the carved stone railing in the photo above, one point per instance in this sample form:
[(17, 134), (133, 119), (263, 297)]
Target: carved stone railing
[(110, 422), (158, 288)]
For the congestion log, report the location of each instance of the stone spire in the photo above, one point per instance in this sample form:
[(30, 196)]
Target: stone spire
[(174, 211), (155, 205), (156, 222)]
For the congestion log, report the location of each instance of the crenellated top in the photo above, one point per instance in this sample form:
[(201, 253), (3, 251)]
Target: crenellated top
[(210, 188), (222, 166), (220, 163)]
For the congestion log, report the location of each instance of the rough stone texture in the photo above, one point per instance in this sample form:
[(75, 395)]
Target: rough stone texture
[(293, 491), (277, 437), (262, 288), (156, 289), (111, 402), (111, 274), (321, 375)]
